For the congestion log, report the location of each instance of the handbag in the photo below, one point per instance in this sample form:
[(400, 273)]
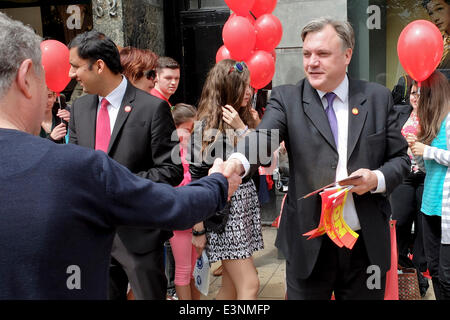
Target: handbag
[(217, 222), (201, 273), (408, 285)]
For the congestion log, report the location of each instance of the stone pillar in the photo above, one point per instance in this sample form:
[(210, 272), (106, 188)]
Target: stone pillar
[(137, 23), (143, 24), (108, 18)]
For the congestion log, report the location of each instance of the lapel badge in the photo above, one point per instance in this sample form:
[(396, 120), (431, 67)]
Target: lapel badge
[(355, 111), (127, 108)]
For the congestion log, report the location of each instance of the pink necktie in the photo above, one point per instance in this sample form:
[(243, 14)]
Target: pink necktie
[(103, 130)]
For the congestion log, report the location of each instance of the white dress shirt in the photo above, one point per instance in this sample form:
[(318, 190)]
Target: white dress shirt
[(114, 98), (340, 106)]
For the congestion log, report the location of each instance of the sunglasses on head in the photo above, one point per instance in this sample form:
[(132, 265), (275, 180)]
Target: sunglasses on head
[(238, 66), (150, 74)]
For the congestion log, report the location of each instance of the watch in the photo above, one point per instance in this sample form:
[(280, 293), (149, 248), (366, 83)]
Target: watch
[(198, 233)]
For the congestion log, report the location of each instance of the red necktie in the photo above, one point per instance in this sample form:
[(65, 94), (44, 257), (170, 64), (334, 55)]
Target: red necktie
[(103, 130)]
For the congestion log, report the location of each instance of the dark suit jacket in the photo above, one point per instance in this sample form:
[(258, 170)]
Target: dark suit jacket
[(142, 140), (374, 142)]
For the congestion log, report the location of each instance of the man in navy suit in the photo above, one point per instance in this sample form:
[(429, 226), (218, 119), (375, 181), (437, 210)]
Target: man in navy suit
[(333, 126), (61, 204)]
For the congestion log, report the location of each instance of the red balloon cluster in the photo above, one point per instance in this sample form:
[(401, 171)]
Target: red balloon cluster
[(252, 41), (420, 48), (55, 60)]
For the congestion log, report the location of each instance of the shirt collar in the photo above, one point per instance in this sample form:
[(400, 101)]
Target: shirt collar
[(115, 97), (158, 94), (341, 90)]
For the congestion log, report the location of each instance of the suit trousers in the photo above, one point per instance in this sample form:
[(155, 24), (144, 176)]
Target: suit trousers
[(340, 270), (145, 273)]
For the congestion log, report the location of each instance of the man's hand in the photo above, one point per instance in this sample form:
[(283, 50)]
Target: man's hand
[(368, 181), (233, 166), (234, 180), (217, 167)]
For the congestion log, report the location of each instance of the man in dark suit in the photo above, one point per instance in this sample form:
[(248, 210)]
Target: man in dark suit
[(135, 129), (333, 127)]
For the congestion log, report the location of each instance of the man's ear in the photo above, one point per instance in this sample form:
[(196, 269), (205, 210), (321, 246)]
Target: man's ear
[(100, 65), (23, 78), (348, 55)]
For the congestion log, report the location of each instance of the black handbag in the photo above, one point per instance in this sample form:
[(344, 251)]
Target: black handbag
[(217, 222)]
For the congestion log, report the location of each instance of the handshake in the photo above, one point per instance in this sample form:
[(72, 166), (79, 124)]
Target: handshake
[(232, 170)]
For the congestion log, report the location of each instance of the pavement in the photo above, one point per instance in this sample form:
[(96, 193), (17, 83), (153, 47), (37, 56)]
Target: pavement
[(271, 272)]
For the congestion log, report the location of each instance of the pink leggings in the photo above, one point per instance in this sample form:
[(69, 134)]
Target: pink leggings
[(185, 256)]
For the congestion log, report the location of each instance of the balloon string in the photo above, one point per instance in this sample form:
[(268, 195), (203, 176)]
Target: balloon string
[(59, 101), (254, 99)]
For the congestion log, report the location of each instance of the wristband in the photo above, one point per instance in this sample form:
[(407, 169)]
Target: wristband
[(242, 132), (196, 233)]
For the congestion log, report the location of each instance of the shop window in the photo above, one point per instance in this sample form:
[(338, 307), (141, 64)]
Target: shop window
[(50, 19), (378, 24)]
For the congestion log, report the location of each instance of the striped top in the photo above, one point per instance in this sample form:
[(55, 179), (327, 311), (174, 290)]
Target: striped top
[(436, 194)]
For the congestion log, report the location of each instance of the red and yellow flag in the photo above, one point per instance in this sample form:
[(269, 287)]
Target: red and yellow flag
[(332, 220)]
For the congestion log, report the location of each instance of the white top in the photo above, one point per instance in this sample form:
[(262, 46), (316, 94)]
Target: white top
[(114, 98)]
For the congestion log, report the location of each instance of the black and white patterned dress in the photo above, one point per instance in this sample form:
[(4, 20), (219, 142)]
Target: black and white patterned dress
[(243, 232)]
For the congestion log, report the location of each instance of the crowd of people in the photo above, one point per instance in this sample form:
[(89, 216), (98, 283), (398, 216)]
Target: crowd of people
[(120, 209)]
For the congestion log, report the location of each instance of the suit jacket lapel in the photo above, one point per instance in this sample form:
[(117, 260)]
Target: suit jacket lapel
[(122, 116), (357, 113), (91, 122), (316, 113)]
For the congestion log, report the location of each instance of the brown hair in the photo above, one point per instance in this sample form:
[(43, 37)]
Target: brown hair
[(434, 105), (224, 85), (166, 62), (182, 112), (136, 62)]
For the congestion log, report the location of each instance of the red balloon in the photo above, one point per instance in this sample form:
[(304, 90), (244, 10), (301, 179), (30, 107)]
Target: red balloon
[(249, 17), (274, 55), (222, 53), (55, 60), (420, 47), (261, 7), (239, 36), (262, 68), (241, 7), (268, 32)]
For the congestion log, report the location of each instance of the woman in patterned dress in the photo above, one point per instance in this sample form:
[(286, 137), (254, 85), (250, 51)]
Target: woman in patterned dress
[(432, 149), (225, 116)]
